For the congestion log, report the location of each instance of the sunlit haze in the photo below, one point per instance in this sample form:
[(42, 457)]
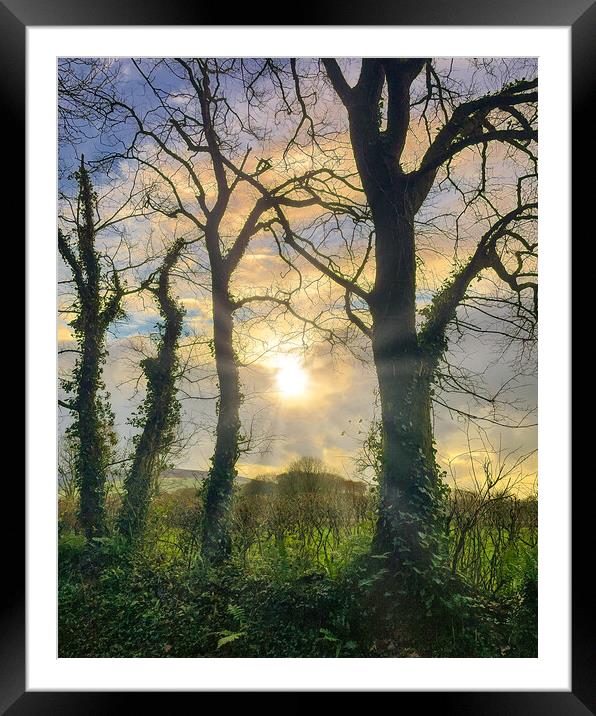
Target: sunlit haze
[(291, 378)]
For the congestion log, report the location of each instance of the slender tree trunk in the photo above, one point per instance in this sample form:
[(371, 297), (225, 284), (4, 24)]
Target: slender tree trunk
[(161, 409), (90, 327), (220, 481), (138, 482), (91, 457)]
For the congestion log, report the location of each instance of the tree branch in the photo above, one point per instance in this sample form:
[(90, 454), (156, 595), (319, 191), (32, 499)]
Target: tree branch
[(354, 318), (465, 123), (290, 239), (444, 305), (70, 259), (338, 81), (68, 406)]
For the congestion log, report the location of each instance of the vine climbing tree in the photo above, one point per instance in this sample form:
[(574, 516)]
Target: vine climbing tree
[(97, 304)]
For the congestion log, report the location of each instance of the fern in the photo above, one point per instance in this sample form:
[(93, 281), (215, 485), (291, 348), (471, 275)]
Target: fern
[(228, 637)]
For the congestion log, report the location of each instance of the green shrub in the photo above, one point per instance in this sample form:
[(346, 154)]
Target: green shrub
[(71, 547), (301, 583)]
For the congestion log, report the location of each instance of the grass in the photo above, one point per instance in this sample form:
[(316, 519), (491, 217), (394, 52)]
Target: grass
[(311, 591)]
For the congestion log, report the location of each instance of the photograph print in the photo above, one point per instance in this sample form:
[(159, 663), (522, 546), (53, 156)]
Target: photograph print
[(297, 336)]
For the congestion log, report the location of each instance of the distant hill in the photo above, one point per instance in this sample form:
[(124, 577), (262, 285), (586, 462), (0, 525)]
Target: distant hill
[(178, 473)]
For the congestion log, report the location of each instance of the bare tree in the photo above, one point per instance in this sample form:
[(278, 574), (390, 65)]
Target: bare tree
[(185, 130), (407, 351)]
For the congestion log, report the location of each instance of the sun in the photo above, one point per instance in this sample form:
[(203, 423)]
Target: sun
[(291, 378)]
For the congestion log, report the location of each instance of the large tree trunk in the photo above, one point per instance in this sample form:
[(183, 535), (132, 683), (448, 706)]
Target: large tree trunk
[(408, 494), (220, 481), (409, 474)]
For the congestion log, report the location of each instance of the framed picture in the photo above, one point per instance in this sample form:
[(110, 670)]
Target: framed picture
[(286, 456)]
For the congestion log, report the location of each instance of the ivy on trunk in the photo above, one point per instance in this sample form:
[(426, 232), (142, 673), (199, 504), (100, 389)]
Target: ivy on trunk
[(160, 412), (95, 312)]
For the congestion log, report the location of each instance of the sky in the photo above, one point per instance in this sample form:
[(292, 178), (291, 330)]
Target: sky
[(303, 396)]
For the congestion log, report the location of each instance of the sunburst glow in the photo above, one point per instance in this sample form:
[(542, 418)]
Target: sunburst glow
[(291, 377)]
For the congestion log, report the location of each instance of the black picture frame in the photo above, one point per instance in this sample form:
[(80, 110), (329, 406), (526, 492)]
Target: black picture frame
[(580, 15)]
